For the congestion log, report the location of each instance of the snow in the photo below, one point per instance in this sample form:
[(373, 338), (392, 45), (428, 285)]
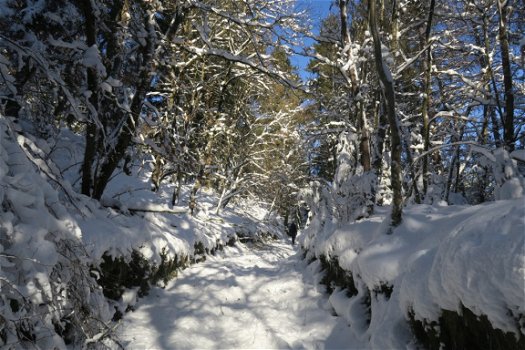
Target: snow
[(35, 226), (50, 234), (518, 154), (93, 60), (510, 184), (440, 257), (483, 253), (155, 225), (249, 298)]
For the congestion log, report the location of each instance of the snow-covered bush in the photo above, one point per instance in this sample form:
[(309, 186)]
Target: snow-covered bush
[(509, 182), (48, 297), (353, 189), (69, 265)]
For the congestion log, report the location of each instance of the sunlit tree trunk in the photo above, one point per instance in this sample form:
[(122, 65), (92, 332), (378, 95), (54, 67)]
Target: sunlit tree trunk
[(387, 85), (427, 67)]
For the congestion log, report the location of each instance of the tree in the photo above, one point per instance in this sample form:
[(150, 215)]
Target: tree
[(508, 118), (112, 125), (387, 85), (212, 97), (122, 53)]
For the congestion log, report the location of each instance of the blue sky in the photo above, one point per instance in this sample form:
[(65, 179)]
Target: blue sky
[(318, 10)]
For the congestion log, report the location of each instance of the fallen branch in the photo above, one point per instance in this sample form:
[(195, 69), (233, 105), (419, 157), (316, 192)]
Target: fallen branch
[(146, 208), (179, 210)]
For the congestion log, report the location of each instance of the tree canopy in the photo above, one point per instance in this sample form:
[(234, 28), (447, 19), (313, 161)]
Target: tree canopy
[(407, 102)]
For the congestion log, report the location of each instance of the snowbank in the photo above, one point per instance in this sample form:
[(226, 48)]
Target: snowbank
[(440, 258), (53, 240), (47, 296), (480, 263), (155, 225)]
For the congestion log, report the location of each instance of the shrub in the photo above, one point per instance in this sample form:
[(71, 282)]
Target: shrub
[(168, 268)]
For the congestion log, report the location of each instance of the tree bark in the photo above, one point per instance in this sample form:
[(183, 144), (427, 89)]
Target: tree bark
[(364, 144), (486, 62), (346, 43), (455, 158), (387, 85), (90, 149), (427, 67), (508, 120), (101, 179)]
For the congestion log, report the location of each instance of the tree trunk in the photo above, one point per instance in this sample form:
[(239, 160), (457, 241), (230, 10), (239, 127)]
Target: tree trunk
[(176, 192), (117, 153), (508, 120), (380, 135), (414, 187), (90, 149), (455, 158), (193, 194), (486, 63), (346, 43), (394, 28), (111, 161), (364, 144), (427, 67), (387, 85)]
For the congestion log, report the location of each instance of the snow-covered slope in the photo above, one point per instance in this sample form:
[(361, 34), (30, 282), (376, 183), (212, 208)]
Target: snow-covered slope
[(47, 296), (52, 239), (155, 225), (440, 258)]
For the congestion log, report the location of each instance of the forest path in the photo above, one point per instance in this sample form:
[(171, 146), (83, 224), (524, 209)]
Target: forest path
[(262, 298)]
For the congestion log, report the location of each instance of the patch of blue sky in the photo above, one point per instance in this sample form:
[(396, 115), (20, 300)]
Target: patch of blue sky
[(317, 10)]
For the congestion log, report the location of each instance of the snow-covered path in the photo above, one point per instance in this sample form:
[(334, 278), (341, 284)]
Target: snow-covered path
[(257, 298)]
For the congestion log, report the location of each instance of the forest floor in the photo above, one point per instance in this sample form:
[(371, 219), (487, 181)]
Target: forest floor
[(260, 297)]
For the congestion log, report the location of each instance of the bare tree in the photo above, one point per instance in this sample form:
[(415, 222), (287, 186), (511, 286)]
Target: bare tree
[(387, 85)]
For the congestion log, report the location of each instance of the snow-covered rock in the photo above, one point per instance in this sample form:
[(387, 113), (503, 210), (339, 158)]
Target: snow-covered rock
[(439, 258)]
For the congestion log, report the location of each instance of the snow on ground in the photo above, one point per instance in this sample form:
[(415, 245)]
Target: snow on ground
[(156, 225), (43, 220), (263, 298), (440, 257), (44, 276)]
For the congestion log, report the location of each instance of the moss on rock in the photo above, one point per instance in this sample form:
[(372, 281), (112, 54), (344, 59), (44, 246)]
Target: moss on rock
[(117, 274), (334, 275), (465, 331)]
